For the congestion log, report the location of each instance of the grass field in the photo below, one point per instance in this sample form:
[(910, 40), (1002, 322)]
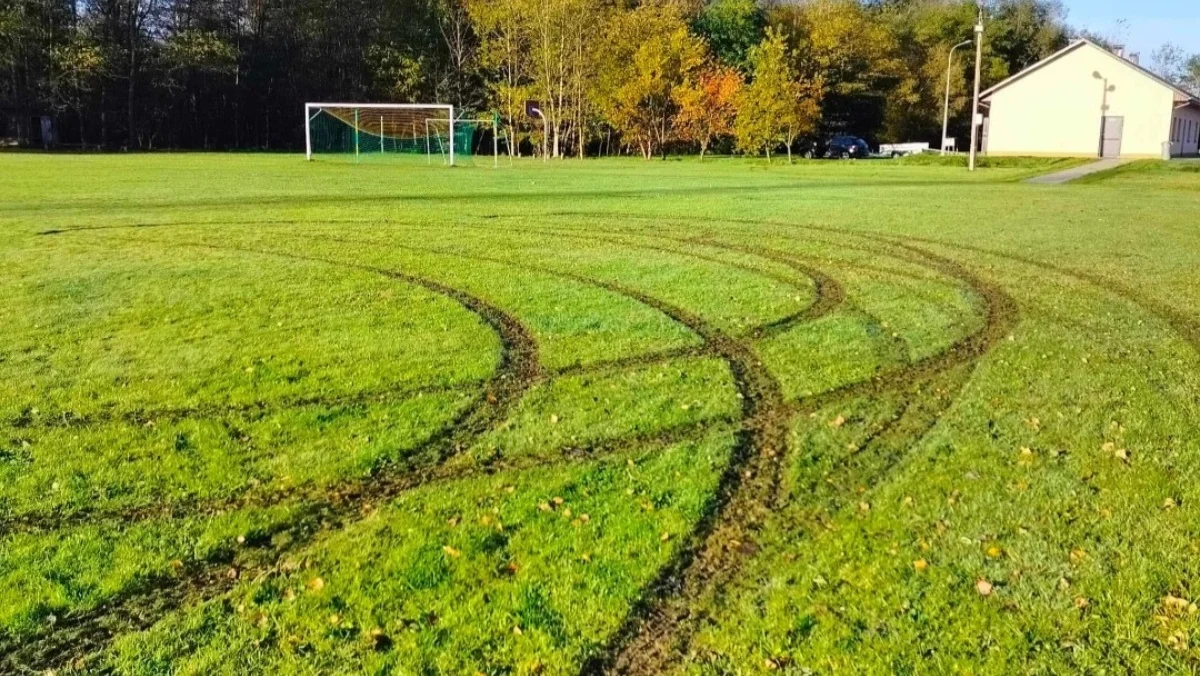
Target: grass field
[(265, 416)]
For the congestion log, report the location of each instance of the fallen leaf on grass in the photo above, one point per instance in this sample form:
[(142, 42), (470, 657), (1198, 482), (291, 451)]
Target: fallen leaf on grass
[(983, 587), (451, 552), (920, 565), (316, 584), (1025, 457), (837, 422)]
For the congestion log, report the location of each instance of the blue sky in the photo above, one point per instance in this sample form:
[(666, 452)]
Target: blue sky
[(1149, 23)]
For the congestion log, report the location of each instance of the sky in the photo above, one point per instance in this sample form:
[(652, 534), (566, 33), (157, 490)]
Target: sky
[(1147, 23)]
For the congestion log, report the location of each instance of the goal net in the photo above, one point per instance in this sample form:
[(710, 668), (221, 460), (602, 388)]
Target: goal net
[(359, 131)]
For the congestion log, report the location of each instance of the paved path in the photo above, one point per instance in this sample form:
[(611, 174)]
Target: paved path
[(1069, 175)]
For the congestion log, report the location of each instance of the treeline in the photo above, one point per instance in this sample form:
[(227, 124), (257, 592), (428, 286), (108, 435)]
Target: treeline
[(612, 75)]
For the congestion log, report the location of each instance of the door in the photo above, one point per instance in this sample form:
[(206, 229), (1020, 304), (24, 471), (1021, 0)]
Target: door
[(1110, 136)]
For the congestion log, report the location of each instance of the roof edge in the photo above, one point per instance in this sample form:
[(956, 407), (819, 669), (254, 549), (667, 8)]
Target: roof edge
[(1081, 42)]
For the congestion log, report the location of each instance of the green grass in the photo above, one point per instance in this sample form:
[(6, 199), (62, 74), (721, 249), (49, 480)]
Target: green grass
[(261, 415)]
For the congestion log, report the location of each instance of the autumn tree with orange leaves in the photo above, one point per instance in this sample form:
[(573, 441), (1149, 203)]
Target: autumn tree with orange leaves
[(708, 105)]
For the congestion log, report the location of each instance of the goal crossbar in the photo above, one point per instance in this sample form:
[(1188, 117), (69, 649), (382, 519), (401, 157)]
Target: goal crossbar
[(312, 109)]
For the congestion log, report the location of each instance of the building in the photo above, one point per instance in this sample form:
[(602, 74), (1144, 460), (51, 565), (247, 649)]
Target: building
[(1086, 101)]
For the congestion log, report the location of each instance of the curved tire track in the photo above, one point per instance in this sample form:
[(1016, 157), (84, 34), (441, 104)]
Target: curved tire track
[(517, 371)]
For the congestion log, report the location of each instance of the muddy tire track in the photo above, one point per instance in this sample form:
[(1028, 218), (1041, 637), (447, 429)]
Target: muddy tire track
[(75, 637), (1187, 326), (828, 293), (636, 654), (669, 612), (79, 636), (517, 371), (659, 627), (747, 492), (252, 410), (661, 624), (41, 522)]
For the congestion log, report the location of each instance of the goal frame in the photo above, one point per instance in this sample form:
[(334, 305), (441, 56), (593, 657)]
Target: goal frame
[(308, 116)]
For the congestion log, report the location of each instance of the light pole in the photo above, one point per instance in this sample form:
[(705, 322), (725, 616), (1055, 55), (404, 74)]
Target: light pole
[(975, 106), (946, 110)]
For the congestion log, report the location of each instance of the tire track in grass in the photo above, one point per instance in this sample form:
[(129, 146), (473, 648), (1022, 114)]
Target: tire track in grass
[(1000, 309), (1186, 326), (76, 637), (629, 653), (28, 419), (828, 292), (518, 370), (660, 627), (47, 522), (659, 622), (659, 630), (747, 491), (41, 522)]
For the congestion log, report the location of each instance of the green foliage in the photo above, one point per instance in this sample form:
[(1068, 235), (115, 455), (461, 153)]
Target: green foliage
[(216, 74), (777, 106), (397, 74), (731, 28), (203, 52), (651, 55)]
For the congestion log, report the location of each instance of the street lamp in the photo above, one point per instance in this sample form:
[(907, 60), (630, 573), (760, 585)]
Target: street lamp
[(975, 107), (946, 110)]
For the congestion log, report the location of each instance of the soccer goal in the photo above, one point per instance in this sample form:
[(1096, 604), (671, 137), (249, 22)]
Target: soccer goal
[(360, 130)]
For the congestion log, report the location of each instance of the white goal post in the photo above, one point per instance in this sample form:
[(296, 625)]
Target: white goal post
[(400, 124)]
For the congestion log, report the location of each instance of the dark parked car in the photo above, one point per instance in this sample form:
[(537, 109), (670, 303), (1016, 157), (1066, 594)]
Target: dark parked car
[(840, 146)]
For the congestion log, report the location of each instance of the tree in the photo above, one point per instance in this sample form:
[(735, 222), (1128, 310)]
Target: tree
[(1191, 75), (1169, 62), (650, 56), (561, 63), (777, 106), (924, 34), (731, 28), (504, 50), (76, 68), (708, 105), (844, 51)]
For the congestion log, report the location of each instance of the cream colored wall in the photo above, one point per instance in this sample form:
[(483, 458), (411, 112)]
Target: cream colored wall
[(1189, 144), (1056, 110)]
